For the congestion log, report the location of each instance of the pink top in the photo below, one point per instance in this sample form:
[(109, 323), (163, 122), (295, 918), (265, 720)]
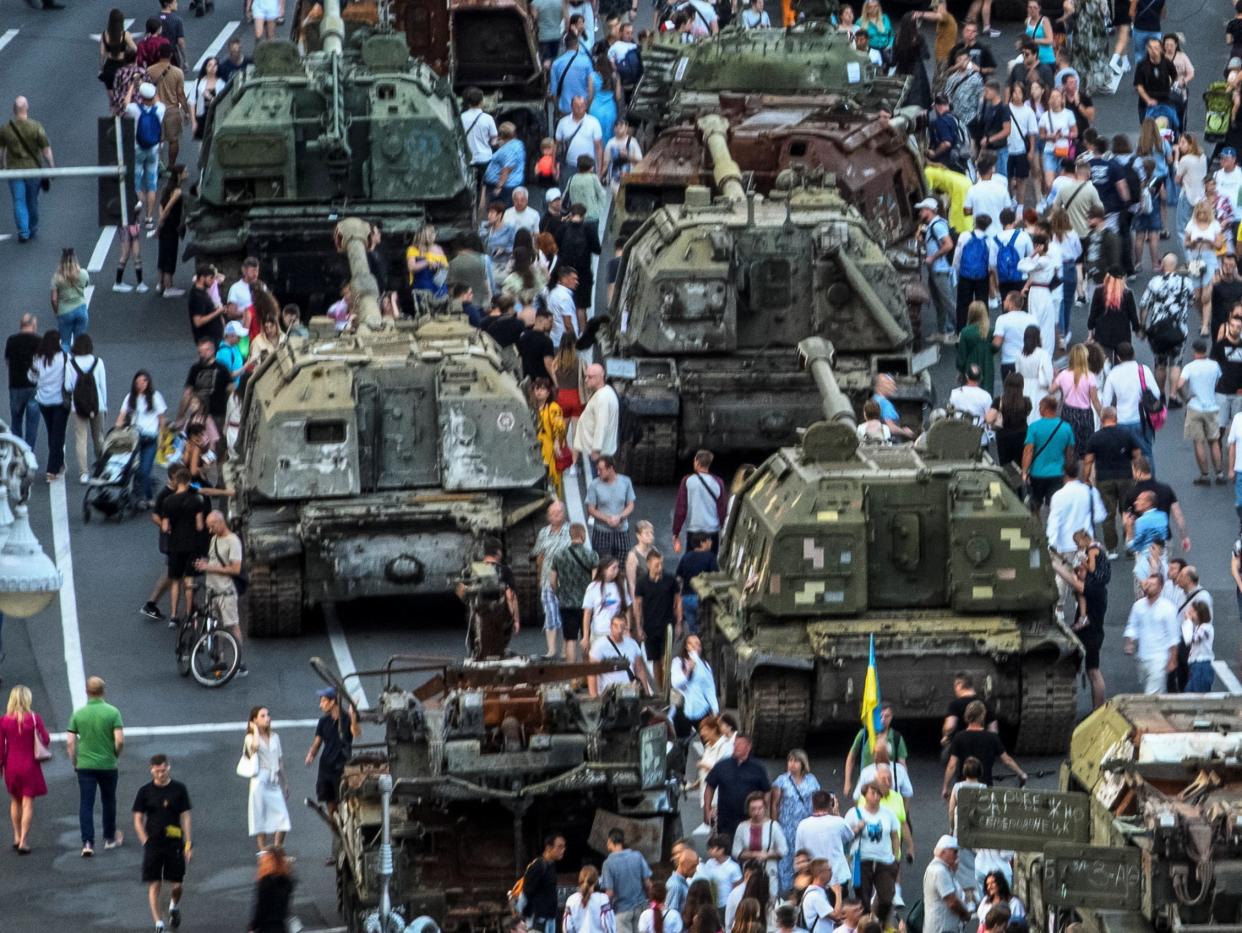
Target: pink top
[(1076, 396)]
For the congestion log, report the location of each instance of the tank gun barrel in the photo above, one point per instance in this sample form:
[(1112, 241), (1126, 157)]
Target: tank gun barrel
[(332, 27), (352, 235), (893, 330), (817, 354), (725, 171)]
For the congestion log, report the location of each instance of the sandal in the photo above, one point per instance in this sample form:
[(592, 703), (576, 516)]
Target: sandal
[(1203, 480)]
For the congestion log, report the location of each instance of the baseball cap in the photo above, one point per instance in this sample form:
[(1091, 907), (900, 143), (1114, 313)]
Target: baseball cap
[(146, 90), (946, 842), (930, 204), (551, 195), (235, 329), (1229, 151), (1234, 62), (329, 692)]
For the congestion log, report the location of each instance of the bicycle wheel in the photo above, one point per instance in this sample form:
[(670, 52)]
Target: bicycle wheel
[(187, 631), (214, 658)]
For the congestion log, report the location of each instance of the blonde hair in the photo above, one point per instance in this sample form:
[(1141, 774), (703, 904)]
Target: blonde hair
[(1192, 144), (19, 704), (68, 271), (425, 239), (872, 12), (1203, 211), (977, 314), (1079, 361)]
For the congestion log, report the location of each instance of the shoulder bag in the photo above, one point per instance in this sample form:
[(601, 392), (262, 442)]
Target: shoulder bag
[(41, 751), (1152, 409), (44, 183), (247, 765)]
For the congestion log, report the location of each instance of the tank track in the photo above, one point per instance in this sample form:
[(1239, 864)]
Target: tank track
[(1048, 708), (274, 599), (652, 459), (775, 708), (519, 546)]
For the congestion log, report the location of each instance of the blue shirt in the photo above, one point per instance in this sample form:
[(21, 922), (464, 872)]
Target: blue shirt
[(1152, 527), (623, 875), (512, 155), (942, 128), (1053, 435), (571, 76), (888, 411), (497, 243), (232, 358)]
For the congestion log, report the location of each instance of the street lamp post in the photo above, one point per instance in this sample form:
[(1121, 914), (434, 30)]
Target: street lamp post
[(28, 577)]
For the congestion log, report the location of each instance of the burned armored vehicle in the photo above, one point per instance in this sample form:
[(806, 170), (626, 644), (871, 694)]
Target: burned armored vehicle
[(295, 142), (875, 160), (377, 462), (926, 546), (712, 298), (480, 764), (1145, 833)]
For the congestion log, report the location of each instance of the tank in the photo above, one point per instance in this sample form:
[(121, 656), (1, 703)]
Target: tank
[(1145, 833), (294, 142), (481, 762), (927, 546), (712, 298), (376, 462), (683, 82)]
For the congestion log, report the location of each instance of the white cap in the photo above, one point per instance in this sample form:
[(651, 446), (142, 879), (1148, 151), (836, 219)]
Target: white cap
[(551, 195), (930, 204), (946, 842), (146, 90), (235, 329)]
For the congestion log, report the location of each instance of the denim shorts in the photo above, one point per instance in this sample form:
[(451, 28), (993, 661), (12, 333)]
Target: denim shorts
[(146, 168)]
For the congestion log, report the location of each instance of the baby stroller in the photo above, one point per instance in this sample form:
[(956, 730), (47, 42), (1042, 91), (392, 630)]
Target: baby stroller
[(1218, 101), (109, 490)]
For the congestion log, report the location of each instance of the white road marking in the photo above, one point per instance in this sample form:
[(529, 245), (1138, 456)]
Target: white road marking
[(217, 43), (74, 667), (88, 294), (8, 37), (344, 660), (1227, 677), (97, 36), (99, 255), (5, 236), (573, 497), (202, 728)]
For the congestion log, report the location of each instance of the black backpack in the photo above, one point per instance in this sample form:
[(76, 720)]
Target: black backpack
[(1134, 183), (85, 392)]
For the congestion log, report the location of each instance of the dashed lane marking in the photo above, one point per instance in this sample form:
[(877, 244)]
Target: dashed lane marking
[(99, 255), (97, 36), (217, 43), (8, 37), (74, 667), (202, 728), (88, 294), (573, 495), (344, 659), (1227, 677)]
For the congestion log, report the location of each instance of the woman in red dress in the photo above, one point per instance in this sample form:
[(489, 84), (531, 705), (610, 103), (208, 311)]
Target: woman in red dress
[(23, 772)]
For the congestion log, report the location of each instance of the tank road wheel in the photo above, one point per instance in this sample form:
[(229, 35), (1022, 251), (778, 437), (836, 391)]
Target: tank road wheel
[(1049, 706), (274, 599), (652, 459), (775, 709), (519, 555)]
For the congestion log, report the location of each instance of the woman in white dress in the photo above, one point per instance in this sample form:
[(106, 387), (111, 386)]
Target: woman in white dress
[(1041, 269), (267, 812)]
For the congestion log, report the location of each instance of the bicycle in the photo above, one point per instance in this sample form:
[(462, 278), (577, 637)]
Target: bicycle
[(203, 647)]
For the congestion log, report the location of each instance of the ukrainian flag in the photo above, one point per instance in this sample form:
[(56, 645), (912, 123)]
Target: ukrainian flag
[(871, 698)]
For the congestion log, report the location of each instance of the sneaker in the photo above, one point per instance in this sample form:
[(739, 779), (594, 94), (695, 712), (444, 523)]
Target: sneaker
[(1220, 479), (122, 287), (174, 292), (242, 671), (993, 32), (174, 622), (142, 288), (84, 478), (174, 916), (159, 926), (115, 841), (1112, 555), (151, 611), (87, 850)]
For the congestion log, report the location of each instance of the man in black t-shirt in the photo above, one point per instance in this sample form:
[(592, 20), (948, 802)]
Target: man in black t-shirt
[(209, 379), (1106, 466), (151, 608), (501, 323), (980, 55), (1154, 78), (19, 353), (539, 883), (657, 607), (535, 347), (162, 823), (699, 558), (955, 716), (182, 521), (1166, 498), (976, 742), (173, 30), (1228, 353), (334, 737), (206, 314)]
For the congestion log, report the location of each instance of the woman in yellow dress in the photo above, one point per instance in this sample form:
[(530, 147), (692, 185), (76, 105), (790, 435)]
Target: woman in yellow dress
[(551, 430)]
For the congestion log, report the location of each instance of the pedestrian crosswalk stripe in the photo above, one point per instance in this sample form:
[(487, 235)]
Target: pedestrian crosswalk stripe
[(99, 255), (217, 43), (1228, 678), (200, 728), (7, 37)]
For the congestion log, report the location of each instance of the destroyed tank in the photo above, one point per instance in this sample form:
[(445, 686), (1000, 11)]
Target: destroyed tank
[(377, 462), (927, 546), (293, 143), (1145, 833), (711, 299), (480, 763)]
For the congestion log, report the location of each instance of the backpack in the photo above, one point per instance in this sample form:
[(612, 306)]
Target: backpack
[(1134, 182), (1007, 260), (959, 158), (630, 68), (149, 131), (974, 262), (85, 392)]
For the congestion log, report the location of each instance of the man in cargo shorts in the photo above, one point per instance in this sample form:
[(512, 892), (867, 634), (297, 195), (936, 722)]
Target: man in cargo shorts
[(222, 567)]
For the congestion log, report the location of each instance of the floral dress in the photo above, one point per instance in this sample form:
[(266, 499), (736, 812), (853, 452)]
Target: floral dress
[(795, 807), (550, 432)]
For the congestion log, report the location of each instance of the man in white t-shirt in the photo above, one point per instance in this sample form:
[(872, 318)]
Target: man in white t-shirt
[(1202, 409), (703, 18), (481, 132), (1123, 389), (617, 644), (989, 195), (825, 835), (972, 399), (578, 134), (816, 910), (1228, 182), (239, 305), (521, 216), (1009, 331), (944, 901)]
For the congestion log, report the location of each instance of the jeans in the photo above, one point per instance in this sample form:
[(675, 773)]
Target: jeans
[(1184, 210), (690, 612), (1069, 285), (1142, 439), (146, 168), (56, 417), (1237, 494), (627, 920), (88, 780), (25, 193), (940, 284), (24, 415), (1202, 676), (1002, 160), (969, 290), (70, 324), (146, 463)]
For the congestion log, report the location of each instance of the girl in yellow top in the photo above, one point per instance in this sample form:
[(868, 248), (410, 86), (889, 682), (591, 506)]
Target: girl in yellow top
[(551, 431), (427, 264)]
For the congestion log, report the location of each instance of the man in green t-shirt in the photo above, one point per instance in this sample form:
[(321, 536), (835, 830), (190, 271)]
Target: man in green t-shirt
[(1043, 457), (861, 751), (96, 737), (24, 144)]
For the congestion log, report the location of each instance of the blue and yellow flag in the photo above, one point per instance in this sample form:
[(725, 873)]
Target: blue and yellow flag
[(871, 698)]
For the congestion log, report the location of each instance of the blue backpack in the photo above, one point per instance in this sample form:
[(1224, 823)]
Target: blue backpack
[(1007, 260), (149, 132), (974, 264)]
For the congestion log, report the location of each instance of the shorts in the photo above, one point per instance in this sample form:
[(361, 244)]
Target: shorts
[(571, 623), (1200, 426), (1121, 13), (570, 402), (1230, 405), (654, 646), (1147, 223), (227, 607), (1170, 357), (551, 609), (1042, 488), (265, 9), (163, 862), (1092, 638), (1052, 161), (326, 788), (146, 169), (1019, 165), (174, 124), (181, 564)]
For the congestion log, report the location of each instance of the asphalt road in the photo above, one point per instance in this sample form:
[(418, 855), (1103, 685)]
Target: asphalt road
[(95, 629)]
